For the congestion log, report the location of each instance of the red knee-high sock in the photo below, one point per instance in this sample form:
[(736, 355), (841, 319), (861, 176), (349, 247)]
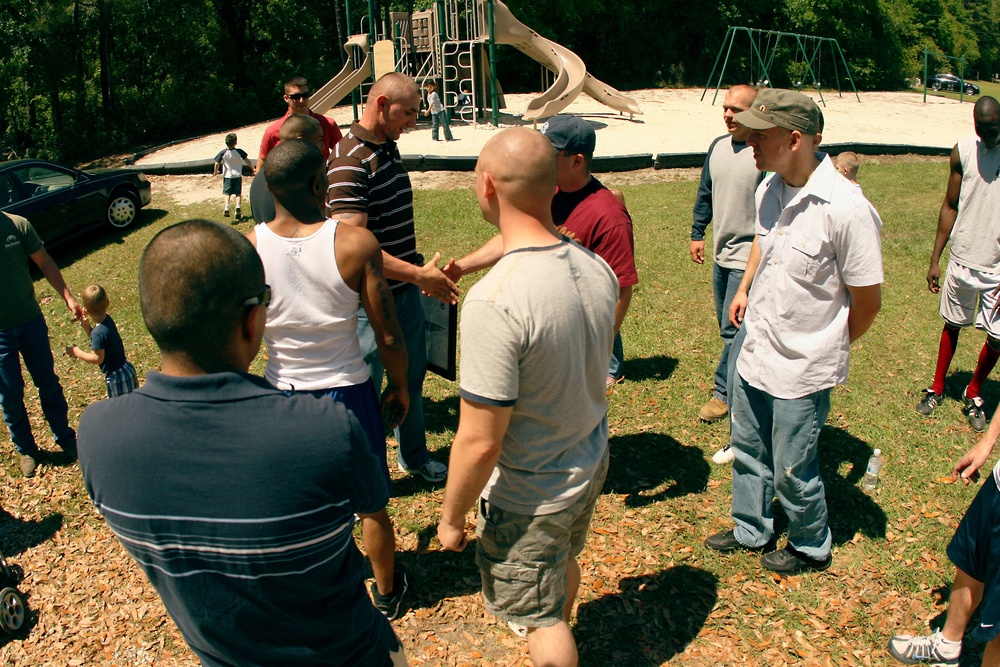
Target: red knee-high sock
[(987, 360), (949, 341)]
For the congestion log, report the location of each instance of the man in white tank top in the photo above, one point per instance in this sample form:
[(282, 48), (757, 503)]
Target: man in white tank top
[(968, 219), (320, 272)]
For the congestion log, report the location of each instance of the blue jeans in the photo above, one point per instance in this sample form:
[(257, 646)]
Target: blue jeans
[(725, 282), (776, 445), (410, 435), (617, 358), (732, 375), (31, 341), (440, 119)]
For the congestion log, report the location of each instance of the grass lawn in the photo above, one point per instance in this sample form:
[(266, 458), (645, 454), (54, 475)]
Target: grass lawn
[(651, 593), (985, 88)]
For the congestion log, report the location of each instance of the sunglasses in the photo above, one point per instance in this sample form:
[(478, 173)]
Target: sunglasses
[(262, 299), (298, 97)]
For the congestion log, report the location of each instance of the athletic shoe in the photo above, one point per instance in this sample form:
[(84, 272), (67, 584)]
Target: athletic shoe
[(225, 213), (28, 465), (518, 629), (918, 650), (974, 411), (432, 471), (238, 216), (612, 381), (928, 402), (724, 456), (790, 561), (69, 448), (391, 604), (714, 410)]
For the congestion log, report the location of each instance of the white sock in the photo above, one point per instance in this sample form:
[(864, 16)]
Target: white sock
[(947, 647)]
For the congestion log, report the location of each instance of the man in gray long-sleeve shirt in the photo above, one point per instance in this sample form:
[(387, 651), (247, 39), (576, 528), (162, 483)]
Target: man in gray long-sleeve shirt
[(726, 195)]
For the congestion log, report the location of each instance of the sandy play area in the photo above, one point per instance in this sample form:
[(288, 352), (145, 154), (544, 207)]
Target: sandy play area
[(673, 121)]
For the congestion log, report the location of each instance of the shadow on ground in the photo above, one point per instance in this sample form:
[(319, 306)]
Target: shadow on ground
[(649, 368), (650, 467), (649, 621)]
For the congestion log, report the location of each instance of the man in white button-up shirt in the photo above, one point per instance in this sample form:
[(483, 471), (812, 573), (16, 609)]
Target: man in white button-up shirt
[(816, 270)]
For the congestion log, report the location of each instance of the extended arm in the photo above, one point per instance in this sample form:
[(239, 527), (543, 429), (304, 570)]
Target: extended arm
[(967, 467), (474, 454), (946, 220), (94, 357), (739, 303), (52, 274), (483, 257), (865, 304), (429, 278), (376, 299)]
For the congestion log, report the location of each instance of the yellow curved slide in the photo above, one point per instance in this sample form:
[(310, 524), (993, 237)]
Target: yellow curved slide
[(571, 73), (347, 79)]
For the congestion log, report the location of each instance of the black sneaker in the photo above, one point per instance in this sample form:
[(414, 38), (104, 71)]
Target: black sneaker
[(790, 561), (238, 215), (928, 402), (725, 542), (390, 605), (974, 411)]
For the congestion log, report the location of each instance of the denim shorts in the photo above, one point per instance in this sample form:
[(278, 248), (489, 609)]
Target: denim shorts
[(232, 186), (522, 559)]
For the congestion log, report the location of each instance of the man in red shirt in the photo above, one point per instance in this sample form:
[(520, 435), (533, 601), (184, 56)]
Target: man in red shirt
[(297, 98)]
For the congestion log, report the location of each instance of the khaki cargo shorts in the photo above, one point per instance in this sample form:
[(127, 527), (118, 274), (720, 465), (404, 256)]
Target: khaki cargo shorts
[(522, 559)]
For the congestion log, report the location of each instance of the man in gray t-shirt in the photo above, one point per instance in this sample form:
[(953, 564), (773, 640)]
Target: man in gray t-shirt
[(532, 437)]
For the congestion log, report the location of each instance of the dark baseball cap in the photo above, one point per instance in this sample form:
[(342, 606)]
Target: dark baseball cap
[(781, 108), (571, 134)]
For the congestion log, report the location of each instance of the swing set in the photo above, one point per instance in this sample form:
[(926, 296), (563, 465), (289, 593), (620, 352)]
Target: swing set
[(764, 46)]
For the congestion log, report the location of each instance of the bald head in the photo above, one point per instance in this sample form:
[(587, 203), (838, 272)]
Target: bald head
[(986, 106), (738, 99), (743, 93), (521, 164), (396, 86), (194, 278), (516, 172), (300, 126)]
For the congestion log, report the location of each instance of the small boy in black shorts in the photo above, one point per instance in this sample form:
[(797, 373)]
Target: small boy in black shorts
[(231, 161)]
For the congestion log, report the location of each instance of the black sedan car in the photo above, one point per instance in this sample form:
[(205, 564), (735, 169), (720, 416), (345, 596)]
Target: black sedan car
[(951, 82), (59, 201)]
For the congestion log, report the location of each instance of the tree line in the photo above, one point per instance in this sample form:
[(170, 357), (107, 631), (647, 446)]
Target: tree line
[(84, 78)]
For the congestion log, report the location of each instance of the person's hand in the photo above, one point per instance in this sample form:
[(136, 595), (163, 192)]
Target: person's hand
[(737, 308), (453, 538), (74, 308), (69, 351), (454, 273), (698, 252), (395, 405), (433, 282), (934, 278), (967, 468)]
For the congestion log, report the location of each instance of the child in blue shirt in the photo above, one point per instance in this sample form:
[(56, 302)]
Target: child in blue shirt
[(108, 351)]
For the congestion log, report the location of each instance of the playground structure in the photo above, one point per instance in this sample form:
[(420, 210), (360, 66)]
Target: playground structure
[(804, 70), (454, 44)]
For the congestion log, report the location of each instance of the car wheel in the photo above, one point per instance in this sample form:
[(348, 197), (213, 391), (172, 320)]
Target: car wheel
[(936, 86), (12, 612), (969, 90), (123, 207)]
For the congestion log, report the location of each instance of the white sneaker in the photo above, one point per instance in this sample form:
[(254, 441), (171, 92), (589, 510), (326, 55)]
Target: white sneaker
[(432, 471), (932, 650), (724, 456)]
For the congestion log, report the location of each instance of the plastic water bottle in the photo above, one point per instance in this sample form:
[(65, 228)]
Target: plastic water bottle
[(870, 480)]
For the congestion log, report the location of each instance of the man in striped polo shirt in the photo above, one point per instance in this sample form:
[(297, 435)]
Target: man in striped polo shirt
[(369, 187)]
